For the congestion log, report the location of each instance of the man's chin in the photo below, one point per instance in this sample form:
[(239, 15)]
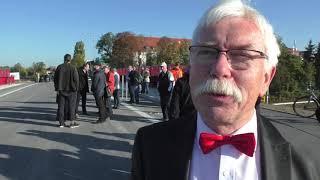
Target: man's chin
[(219, 111)]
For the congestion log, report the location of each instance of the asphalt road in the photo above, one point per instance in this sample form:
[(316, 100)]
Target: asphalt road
[(32, 147)]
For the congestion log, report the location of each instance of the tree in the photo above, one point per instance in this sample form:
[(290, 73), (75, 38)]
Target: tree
[(79, 54), (309, 53), (184, 51), (151, 58), (309, 61), (124, 48), (38, 67), (317, 67), (167, 51), (19, 68), (105, 45), (289, 79)]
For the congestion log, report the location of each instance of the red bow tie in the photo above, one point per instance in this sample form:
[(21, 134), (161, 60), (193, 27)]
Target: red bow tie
[(245, 143)]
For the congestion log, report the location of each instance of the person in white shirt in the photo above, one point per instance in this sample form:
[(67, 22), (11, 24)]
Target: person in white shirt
[(233, 60), (116, 92)]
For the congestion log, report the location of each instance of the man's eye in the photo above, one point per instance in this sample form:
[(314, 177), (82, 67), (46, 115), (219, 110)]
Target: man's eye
[(206, 53), (243, 54)]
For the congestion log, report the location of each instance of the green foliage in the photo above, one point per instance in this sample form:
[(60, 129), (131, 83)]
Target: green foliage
[(151, 59), (317, 67), (309, 52), (79, 54), (167, 51), (184, 51), (105, 45), (19, 68), (289, 79), (38, 67)]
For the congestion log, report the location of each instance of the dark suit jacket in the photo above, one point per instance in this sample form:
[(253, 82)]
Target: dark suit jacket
[(163, 151), (66, 78), (98, 85), (181, 102), (83, 80)]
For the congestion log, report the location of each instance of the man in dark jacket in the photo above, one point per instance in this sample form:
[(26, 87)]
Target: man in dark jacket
[(233, 60), (135, 80), (98, 88), (165, 87), (83, 88), (181, 102), (66, 83)]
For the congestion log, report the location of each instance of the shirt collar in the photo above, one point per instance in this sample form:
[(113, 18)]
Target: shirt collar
[(249, 127)]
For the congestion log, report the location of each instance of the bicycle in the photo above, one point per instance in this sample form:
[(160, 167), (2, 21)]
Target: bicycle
[(306, 106)]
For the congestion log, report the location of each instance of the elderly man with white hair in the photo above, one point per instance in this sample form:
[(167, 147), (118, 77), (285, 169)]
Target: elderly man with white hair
[(165, 87), (233, 60)]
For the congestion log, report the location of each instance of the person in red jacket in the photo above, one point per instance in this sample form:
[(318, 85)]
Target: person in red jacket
[(177, 72), (109, 89)]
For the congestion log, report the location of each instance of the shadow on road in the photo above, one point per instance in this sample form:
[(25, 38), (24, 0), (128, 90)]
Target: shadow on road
[(120, 135), (32, 113), (92, 158)]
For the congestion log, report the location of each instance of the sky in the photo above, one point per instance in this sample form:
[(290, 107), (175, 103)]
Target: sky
[(41, 30)]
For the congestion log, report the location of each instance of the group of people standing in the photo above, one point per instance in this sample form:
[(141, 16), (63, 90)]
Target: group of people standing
[(137, 83), (172, 85), (72, 85), (174, 91), (105, 83)]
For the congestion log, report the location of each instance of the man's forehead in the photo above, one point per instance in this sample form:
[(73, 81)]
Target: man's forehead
[(231, 32)]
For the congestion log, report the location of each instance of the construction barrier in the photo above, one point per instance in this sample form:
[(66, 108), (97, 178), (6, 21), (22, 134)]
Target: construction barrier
[(5, 77)]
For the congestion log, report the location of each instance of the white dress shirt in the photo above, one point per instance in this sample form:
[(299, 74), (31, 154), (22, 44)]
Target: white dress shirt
[(225, 162)]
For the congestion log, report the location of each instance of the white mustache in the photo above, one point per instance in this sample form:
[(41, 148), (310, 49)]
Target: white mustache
[(222, 87)]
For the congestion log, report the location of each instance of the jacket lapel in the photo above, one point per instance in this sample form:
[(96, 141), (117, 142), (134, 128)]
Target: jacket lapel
[(183, 141), (275, 152)]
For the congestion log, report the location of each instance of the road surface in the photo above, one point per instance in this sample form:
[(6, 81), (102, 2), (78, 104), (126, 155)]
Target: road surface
[(32, 147)]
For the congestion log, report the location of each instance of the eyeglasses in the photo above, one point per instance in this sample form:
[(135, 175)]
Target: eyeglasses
[(237, 58)]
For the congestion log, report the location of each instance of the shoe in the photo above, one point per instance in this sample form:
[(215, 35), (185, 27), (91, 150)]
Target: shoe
[(114, 107), (62, 125), (74, 125), (100, 121), (77, 115)]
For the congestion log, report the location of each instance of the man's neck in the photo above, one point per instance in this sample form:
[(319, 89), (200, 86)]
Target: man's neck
[(229, 127)]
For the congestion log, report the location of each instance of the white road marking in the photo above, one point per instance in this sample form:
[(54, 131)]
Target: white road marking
[(15, 90), (143, 114), (122, 171)]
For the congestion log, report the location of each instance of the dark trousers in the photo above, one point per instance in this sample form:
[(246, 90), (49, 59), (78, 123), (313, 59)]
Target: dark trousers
[(83, 95), (100, 101), (116, 97), (164, 102), (108, 106), (131, 92), (145, 87), (66, 106), (134, 91)]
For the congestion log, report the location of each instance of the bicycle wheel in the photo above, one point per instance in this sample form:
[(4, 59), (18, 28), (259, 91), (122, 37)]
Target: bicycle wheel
[(305, 106)]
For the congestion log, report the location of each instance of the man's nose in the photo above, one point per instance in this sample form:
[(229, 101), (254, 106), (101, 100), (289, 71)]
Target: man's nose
[(221, 67)]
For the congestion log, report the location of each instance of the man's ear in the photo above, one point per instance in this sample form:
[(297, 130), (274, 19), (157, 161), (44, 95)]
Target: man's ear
[(268, 76)]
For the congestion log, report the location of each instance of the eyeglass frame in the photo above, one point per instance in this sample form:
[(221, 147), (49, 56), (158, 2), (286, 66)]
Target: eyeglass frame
[(219, 51)]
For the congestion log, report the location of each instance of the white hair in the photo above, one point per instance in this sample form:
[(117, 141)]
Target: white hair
[(237, 8)]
